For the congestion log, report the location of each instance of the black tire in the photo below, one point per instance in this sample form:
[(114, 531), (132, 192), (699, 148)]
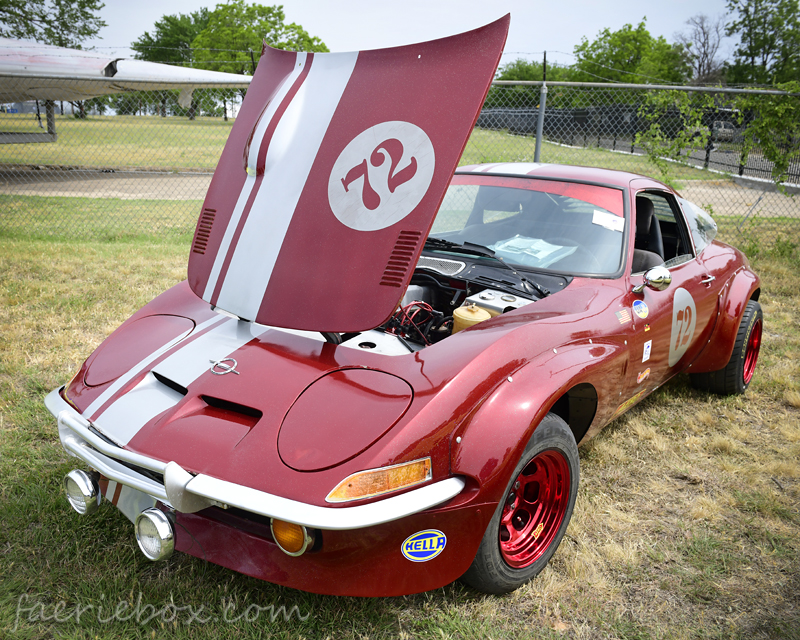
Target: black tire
[(542, 511), (736, 376)]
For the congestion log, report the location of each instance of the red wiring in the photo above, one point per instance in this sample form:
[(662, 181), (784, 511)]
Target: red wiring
[(405, 318)]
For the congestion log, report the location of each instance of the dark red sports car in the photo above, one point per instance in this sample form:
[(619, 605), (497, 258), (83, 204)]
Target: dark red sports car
[(376, 377)]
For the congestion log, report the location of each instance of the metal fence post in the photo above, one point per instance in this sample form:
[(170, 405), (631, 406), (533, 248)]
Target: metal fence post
[(540, 123), (50, 109)]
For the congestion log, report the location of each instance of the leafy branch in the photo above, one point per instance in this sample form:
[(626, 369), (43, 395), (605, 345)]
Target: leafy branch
[(675, 123), (773, 130)]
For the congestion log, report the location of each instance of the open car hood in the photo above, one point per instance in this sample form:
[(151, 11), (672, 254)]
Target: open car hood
[(331, 177)]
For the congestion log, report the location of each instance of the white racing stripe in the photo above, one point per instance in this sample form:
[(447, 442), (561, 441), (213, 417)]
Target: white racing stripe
[(134, 371), (255, 144), (291, 154), (188, 364), (123, 419)]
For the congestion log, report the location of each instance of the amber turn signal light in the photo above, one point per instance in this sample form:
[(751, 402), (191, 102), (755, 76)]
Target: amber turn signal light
[(293, 539), (374, 482)]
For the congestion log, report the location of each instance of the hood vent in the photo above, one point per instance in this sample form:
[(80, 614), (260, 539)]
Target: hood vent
[(252, 415), (203, 231), (170, 383), (400, 260)]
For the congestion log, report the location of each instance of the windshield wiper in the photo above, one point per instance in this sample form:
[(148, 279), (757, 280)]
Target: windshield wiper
[(471, 248)]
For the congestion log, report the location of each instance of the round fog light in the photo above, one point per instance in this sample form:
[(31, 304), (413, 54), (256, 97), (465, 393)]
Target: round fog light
[(292, 539), (154, 534), (82, 491)]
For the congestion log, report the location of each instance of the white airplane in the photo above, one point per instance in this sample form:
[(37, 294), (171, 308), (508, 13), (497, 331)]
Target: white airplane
[(33, 71)]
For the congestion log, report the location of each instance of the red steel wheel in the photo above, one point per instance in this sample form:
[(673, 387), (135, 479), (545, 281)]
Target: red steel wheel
[(532, 518), (534, 509), (736, 376), (752, 349)]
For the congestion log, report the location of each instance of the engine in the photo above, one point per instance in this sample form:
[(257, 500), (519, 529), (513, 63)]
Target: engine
[(432, 309)]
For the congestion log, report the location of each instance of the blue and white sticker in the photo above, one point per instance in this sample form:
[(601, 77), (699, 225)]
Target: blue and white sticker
[(424, 545), (648, 347), (640, 309)]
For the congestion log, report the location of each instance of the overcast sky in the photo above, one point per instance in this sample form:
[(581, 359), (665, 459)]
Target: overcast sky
[(347, 25)]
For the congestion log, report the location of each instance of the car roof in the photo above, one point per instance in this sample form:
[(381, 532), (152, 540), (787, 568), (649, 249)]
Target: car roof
[(610, 177)]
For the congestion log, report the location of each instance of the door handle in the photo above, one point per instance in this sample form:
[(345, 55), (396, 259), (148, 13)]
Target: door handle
[(708, 279)]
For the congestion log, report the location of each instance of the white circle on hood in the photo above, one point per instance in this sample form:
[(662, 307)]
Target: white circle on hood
[(381, 176)]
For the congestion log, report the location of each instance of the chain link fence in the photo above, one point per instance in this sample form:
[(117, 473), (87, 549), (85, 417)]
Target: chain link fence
[(139, 163)]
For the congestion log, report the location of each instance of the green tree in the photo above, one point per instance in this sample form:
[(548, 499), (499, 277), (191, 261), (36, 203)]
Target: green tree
[(22, 18), (769, 41), (630, 55), (171, 43), (521, 96), (64, 23), (235, 32), (521, 69), (171, 39), (674, 121)]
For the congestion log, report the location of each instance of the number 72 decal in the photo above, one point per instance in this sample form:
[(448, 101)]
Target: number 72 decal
[(381, 176), (684, 321)]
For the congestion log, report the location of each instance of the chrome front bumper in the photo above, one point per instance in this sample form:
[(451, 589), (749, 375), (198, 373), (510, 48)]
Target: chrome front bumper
[(189, 493)]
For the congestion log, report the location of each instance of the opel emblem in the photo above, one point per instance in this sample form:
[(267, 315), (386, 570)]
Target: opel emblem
[(221, 367)]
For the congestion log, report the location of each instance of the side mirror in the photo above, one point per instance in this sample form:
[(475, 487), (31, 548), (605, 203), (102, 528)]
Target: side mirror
[(657, 278)]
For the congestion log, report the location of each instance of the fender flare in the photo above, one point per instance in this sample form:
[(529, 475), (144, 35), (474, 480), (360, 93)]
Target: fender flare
[(486, 447), (741, 287)]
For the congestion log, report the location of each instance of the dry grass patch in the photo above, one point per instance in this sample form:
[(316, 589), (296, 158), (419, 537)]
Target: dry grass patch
[(724, 445)]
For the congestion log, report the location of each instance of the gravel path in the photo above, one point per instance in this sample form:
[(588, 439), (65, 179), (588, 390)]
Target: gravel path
[(126, 185), (724, 196)]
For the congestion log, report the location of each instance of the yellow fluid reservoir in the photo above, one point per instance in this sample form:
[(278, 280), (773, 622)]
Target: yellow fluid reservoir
[(464, 317)]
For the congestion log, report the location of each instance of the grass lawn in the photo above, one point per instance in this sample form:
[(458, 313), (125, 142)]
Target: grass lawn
[(96, 218), (120, 142), (686, 525), (180, 144)]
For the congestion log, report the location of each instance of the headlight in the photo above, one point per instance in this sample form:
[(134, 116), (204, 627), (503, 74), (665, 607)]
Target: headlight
[(82, 491), (374, 482), (154, 534)]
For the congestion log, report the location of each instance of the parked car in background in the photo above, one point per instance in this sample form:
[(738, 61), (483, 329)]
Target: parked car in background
[(723, 131)]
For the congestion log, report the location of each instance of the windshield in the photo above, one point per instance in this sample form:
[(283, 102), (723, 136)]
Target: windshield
[(539, 224)]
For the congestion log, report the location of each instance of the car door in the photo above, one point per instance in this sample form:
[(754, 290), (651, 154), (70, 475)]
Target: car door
[(670, 327)]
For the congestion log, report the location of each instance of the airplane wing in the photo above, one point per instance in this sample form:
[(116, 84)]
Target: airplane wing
[(32, 71)]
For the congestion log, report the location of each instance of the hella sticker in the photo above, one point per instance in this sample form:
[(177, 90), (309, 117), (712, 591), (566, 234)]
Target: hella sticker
[(424, 545), (640, 309)]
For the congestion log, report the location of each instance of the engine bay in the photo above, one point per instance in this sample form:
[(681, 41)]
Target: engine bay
[(446, 296)]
